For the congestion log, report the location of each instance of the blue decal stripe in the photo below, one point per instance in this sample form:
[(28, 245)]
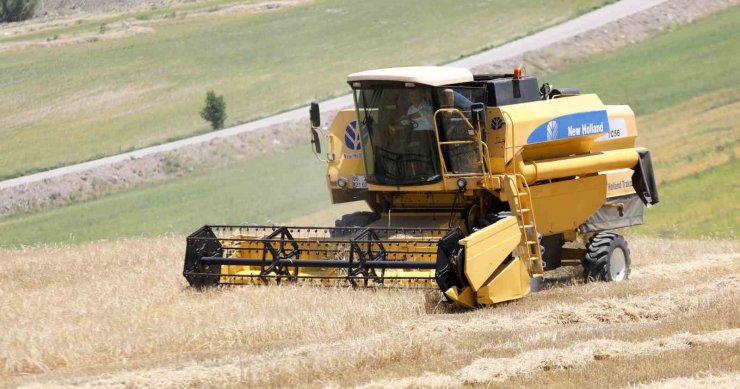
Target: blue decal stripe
[(571, 126)]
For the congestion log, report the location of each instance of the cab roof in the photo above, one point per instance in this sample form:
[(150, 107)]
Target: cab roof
[(427, 75)]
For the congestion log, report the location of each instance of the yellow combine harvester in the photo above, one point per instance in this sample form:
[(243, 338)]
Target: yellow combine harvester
[(477, 185)]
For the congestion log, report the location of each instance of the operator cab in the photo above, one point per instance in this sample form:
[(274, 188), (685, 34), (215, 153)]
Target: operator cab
[(410, 116)]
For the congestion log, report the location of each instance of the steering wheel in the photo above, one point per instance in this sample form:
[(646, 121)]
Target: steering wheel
[(409, 124)]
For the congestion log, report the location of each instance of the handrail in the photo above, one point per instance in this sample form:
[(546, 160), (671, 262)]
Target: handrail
[(487, 156), (509, 123), (457, 142), (439, 149), (534, 268), (440, 143)]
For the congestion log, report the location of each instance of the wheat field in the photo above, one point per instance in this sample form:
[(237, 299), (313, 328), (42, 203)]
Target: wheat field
[(119, 313)]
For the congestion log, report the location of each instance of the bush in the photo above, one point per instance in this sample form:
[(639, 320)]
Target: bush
[(214, 111), (16, 10)]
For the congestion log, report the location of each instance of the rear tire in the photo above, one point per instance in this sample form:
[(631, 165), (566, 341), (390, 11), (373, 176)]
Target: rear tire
[(607, 258)]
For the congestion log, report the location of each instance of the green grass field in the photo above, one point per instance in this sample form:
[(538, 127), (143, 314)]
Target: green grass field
[(697, 134), (91, 22), (698, 205), (698, 179), (61, 105), (267, 190), (681, 86), (666, 71)]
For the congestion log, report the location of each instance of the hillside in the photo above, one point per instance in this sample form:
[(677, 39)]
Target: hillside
[(126, 81), (689, 119), (64, 7), (265, 190), (127, 319)]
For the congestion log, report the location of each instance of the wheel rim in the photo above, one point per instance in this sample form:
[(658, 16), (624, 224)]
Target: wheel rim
[(617, 264)]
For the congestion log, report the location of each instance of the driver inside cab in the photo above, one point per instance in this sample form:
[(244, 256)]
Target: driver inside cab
[(420, 112), (410, 138), (407, 129)]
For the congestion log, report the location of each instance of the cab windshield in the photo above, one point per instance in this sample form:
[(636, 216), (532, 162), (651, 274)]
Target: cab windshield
[(397, 133)]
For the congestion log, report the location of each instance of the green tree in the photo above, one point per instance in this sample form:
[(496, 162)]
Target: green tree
[(16, 10), (214, 111)]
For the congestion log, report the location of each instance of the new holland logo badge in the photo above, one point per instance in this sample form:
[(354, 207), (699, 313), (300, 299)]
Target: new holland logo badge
[(352, 137), (497, 123), (552, 130)]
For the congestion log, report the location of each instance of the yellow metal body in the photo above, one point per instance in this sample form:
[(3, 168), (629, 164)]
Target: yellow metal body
[(551, 185), (511, 281), (555, 208), (314, 248), (345, 161), (488, 248)]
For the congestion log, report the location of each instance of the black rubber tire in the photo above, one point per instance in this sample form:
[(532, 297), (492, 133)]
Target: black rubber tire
[(597, 262), (494, 217), (357, 219), (372, 202), (480, 224), (553, 253)]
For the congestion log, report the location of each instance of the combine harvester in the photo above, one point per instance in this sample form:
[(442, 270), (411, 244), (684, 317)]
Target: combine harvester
[(477, 183)]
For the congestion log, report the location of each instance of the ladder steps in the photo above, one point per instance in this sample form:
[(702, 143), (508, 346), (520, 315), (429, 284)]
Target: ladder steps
[(525, 218)]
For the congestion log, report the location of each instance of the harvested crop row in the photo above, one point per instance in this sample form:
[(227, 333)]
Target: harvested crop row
[(486, 370), (292, 332), (729, 380), (383, 354)]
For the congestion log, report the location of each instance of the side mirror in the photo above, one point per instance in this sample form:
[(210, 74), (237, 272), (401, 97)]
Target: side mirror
[(315, 115), (315, 140)]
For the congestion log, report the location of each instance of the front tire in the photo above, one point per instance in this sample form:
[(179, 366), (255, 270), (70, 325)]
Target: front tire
[(357, 219), (607, 258), (552, 252)]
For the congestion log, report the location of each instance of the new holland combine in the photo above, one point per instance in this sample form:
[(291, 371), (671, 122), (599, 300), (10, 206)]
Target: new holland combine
[(477, 184)]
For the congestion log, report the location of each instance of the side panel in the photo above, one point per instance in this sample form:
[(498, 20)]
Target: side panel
[(619, 182), (345, 145), (486, 250), (622, 129), (511, 283), (496, 137), (558, 128), (564, 205), (546, 129)]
